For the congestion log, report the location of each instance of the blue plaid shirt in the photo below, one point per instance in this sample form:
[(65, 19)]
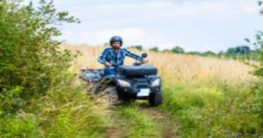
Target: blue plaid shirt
[(109, 56)]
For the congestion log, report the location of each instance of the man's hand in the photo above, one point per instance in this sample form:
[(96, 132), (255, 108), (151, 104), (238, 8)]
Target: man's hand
[(108, 64)]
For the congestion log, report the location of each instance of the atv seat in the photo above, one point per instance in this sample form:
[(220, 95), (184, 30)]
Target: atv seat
[(137, 70)]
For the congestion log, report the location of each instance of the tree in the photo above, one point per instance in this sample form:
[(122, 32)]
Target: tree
[(209, 53), (30, 59), (259, 44), (138, 47), (154, 49), (177, 50), (194, 53), (242, 50), (231, 51)]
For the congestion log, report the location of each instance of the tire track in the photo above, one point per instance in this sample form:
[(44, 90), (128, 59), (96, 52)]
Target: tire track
[(168, 127)]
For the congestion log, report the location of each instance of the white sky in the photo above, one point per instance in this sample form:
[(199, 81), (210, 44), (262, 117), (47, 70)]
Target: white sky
[(193, 24)]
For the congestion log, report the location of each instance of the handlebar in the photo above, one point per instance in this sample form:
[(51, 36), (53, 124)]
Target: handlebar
[(138, 63)]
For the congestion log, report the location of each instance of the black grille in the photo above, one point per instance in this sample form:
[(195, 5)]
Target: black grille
[(140, 83)]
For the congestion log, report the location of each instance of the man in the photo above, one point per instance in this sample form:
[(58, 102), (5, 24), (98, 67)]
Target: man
[(115, 55)]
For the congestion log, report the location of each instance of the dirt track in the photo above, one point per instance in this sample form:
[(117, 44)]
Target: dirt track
[(166, 125)]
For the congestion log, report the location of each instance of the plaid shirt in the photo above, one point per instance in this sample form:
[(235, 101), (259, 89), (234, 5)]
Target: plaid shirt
[(109, 56)]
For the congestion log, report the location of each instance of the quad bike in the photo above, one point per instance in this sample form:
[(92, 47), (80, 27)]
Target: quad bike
[(125, 84)]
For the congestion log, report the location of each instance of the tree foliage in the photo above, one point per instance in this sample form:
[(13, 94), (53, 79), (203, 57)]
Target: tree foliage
[(154, 49), (178, 50), (138, 47), (30, 58)]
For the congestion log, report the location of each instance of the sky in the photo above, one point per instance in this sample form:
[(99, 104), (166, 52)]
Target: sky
[(195, 25)]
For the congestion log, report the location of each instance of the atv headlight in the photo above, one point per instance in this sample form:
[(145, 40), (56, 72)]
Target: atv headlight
[(156, 82), (124, 83)]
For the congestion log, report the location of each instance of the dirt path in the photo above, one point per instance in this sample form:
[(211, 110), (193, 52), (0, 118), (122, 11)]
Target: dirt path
[(166, 126), (119, 128)]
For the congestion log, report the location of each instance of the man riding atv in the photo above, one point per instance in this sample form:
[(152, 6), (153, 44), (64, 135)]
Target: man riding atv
[(118, 83), (114, 56)]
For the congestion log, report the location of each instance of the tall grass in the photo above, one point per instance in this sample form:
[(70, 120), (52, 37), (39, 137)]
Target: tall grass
[(209, 97), (173, 67), (65, 111)]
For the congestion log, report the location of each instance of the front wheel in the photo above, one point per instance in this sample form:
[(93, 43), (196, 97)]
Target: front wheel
[(155, 99)]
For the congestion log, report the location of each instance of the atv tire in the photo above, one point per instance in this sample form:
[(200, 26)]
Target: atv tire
[(109, 97), (155, 99)]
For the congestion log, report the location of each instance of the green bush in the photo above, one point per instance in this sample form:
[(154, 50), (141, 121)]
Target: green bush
[(38, 96), (214, 110), (29, 54)]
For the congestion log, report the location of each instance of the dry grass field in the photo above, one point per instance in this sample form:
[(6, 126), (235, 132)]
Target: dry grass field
[(173, 67)]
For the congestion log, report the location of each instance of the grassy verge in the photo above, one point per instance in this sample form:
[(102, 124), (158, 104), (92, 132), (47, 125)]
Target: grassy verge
[(210, 109), (65, 111)]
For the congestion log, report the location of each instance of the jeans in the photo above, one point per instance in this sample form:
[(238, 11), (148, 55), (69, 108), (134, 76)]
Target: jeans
[(110, 71)]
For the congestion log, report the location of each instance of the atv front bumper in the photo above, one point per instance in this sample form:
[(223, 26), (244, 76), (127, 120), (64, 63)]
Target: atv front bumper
[(137, 93)]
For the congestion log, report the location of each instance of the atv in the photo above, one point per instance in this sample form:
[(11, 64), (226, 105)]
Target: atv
[(125, 83)]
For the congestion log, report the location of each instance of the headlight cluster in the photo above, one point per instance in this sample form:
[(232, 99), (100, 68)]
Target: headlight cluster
[(124, 83), (156, 82)]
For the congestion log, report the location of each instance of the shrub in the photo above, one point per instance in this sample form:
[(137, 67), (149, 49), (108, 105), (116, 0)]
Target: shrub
[(29, 53)]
